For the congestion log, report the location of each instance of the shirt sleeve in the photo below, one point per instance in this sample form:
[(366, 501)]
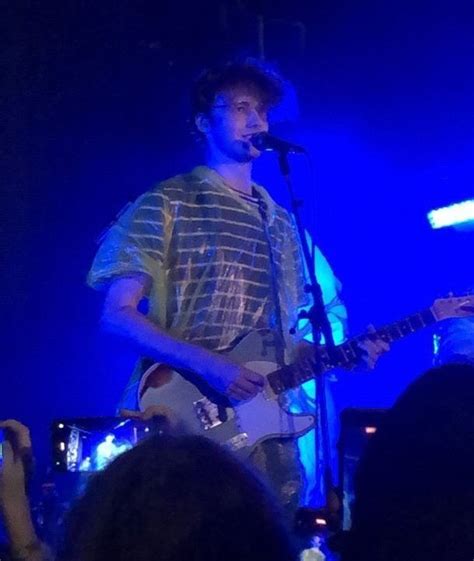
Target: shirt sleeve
[(135, 243)]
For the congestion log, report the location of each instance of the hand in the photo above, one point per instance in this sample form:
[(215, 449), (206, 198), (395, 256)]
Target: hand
[(305, 355), (372, 349), (17, 458), (230, 378), (168, 421)]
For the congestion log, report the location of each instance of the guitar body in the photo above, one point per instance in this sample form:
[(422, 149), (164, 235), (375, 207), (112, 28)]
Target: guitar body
[(197, 409)]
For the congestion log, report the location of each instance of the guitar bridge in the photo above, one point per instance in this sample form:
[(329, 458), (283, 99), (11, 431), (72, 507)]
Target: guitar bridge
[(238, 441)]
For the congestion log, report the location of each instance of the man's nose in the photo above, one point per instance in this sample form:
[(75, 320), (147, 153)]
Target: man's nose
[(255, 120)]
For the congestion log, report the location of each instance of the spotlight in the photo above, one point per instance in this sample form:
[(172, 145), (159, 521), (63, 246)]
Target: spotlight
[(453, 215)]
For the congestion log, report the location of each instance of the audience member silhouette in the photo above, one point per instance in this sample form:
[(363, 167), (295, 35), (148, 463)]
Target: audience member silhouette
[(415, 484)]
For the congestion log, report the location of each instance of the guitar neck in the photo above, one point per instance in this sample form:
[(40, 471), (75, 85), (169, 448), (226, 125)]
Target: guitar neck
[(347, 354)]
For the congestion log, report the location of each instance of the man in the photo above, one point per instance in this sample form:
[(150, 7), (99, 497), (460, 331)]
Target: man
[(215, 257), (108, 450)]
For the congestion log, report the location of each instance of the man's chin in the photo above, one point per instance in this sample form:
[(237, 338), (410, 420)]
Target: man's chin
[(247, 154), (241, 152)]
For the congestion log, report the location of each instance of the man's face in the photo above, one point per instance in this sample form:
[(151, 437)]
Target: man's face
[(235, 116)]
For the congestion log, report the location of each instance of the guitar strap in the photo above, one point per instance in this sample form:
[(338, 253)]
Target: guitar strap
[(279, 342)]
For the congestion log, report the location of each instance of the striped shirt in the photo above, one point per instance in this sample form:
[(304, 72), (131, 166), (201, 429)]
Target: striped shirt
[(206, 249)]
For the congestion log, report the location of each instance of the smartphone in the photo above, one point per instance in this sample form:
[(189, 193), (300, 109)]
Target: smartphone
[(89, 444)]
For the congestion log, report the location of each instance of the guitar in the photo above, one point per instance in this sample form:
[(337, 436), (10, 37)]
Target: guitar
[(199, 409)]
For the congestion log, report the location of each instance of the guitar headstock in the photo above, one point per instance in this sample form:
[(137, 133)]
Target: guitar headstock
[(453, 307)]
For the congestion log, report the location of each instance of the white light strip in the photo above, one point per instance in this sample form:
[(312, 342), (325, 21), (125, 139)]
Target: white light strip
[(459, 213)]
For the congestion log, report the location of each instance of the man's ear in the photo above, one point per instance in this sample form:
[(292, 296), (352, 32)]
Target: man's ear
[(202, 123)]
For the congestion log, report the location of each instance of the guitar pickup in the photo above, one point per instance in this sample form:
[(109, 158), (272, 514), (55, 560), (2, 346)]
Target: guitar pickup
[(208, 413)]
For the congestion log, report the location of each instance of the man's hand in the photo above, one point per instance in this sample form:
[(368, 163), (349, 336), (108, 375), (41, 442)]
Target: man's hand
[(372, 348), (164, 418), (230, 378)]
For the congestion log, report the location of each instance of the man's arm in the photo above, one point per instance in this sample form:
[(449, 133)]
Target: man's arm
[(122, 317)]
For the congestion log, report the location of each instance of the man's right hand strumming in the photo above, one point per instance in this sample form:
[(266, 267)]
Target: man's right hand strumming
[(230, 378), (121, 316)]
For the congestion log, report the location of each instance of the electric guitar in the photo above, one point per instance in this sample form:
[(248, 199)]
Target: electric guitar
[(199, 409)]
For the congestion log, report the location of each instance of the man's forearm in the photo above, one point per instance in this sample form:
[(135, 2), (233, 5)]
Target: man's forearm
[(155, 342), (222, 373)]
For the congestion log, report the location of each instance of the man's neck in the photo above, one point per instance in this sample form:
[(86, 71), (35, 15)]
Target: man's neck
[(235, 174)]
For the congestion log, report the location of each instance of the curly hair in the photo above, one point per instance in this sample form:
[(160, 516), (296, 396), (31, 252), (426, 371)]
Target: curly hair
[(174, 499), (255, 77)]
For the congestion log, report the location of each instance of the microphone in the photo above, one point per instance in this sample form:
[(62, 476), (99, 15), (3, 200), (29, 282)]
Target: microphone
[(264, 141)]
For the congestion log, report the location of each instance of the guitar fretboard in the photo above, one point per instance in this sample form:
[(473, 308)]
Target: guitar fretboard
[(348, 354)]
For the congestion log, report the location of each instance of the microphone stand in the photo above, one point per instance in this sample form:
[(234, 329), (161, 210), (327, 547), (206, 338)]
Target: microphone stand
[(320, 326)]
